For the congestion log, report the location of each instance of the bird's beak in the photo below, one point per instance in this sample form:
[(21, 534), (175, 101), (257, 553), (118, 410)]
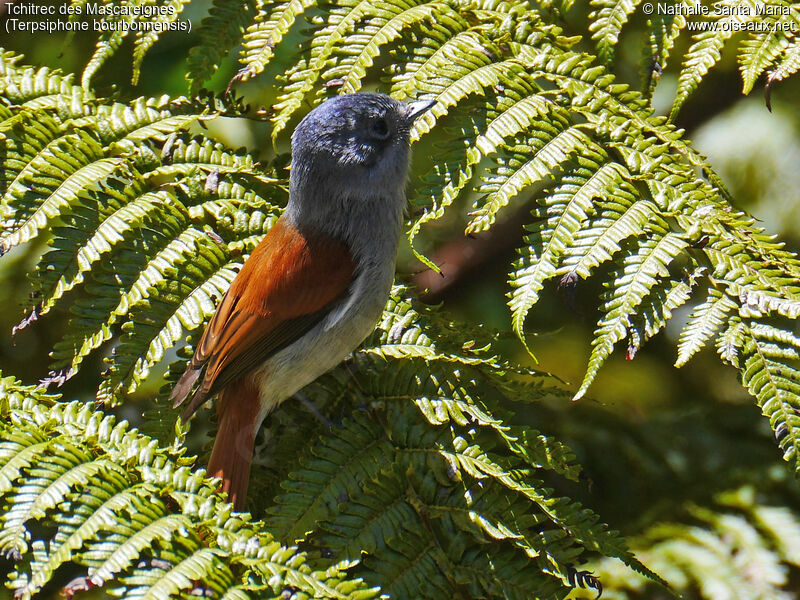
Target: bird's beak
[(415, 109)]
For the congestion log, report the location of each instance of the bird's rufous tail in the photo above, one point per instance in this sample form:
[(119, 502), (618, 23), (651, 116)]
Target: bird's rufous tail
[(237, 410)]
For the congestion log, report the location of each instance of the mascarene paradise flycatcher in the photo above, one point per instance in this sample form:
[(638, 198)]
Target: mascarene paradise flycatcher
[(315, 286)]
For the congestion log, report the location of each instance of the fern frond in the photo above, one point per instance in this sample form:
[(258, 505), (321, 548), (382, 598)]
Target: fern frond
[(359, 51), (563, 215), (657, 309), (54, 178), (412, 457), (642, 270), (8, 62), (218, 33), (423, 49), (117, 21), (607, 21), (272, 22), (182, 302), (533, 161), (663, 30), (756, 54), (704, 321), (24, 137), (144, 40), (427, 57), (107, 45), (704, 53), (789, 64), (70, 167), (78, 248), (41, 88), (765, 352), (340, 19), (769, 23), (139, 494), (623, 216), (707, 549), (356, 31)]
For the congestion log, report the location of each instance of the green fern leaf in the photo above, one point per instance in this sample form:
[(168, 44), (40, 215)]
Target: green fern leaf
[(531, 162), (704, 52), (374, 25), (606, 24), (705, 320), (65, 267), (218, 33), (381, 31), (765, 352), (95, 320), (8, 61), (340, 20), (662, 32), (425, 61), (80, 157), (788, 65), (106, 46), (567, 208), (642, 270), (144, 494), (24, 137), (759, 52), (657, 309), (622, 217), (701, 56), (156, 24), (50, 482), (704, 548), (184, 301), (42, 88), (272, 22), (509, 121)]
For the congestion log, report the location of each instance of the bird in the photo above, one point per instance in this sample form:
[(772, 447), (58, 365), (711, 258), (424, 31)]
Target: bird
[(315, 286)]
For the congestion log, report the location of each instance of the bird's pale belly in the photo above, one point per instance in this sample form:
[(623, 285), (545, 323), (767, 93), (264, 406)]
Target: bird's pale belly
[(317, 352)]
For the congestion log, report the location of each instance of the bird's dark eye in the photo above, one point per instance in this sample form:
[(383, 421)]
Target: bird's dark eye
[(380, 129)]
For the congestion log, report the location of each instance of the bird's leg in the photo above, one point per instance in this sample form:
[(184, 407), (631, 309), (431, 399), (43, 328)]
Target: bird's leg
[(306, 401), (352, 370)]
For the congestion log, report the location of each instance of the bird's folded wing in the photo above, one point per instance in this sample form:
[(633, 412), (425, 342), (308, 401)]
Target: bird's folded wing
[(289, 283)]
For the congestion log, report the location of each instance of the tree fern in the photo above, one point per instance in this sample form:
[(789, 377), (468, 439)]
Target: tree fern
[(641, 271), (427, 445), (662, 33), (355, 487), (131, 513), (771, 28), (608, 19), (788, 65), (738, 545), (587, 121), (653, 169), (218, 34)]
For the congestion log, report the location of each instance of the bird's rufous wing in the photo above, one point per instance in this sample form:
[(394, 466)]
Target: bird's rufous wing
[(289, 283)]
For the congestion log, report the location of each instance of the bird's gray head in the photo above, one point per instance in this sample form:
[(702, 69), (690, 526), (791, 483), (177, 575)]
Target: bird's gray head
[(352, 148)]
